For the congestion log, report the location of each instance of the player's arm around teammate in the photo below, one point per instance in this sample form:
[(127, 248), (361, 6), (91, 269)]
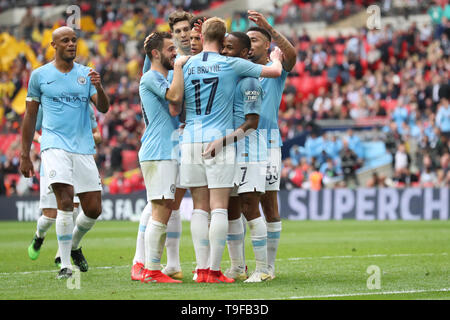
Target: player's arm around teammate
[(251, 122)]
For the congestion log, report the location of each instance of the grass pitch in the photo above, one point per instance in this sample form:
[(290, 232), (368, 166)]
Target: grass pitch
[(315, 260)]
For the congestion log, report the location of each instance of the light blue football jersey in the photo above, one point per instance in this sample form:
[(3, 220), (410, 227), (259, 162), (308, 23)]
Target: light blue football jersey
[(65, 100), (40, 116), (268, 121), (247, 100), (210, 81), (160, 138)]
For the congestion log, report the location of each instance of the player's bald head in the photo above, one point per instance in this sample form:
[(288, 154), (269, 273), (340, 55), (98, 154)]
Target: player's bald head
[(62, 31)]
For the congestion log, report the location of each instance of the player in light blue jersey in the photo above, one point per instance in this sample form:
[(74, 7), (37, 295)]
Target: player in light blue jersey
[(207, 166), (261, 37), (250, 177), (179, 23), (47, 201), (158, 153), (65, 89)]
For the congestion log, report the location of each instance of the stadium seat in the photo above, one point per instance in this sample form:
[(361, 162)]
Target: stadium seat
[(340, 48), (129, 159)]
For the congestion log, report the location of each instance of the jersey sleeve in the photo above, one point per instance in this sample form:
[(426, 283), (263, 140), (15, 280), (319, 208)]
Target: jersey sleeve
[(245, 68), (92, 90), (147, 64), (252, 94), (39, 119), (156, 84), (94, 124), (34, 89)]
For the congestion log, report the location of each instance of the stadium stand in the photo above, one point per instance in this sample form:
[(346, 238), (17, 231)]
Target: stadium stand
[(390, 86)]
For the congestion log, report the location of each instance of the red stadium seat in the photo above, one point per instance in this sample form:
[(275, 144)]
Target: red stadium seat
[(129, 159), (340, 48), (299, 67)]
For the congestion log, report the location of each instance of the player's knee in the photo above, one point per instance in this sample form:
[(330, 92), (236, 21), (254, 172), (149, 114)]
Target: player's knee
[(93, 211)]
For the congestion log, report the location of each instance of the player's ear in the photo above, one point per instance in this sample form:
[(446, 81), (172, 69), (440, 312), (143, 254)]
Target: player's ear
[(244, 53), (155, 54), (53, 44)]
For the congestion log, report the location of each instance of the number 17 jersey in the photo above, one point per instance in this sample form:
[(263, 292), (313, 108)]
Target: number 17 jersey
[(210, 81)]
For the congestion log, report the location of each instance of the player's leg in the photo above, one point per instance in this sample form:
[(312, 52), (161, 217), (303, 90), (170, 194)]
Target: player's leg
[(91, 203), (218, 231), (64, 225), (258, 234), (139, 256), (88, 186), (47, 203), (269, 204), (200, 231), (193, 176), (155, 237), (174, 227), (45, 221), (76, 210), (160, 179), (235, 239)]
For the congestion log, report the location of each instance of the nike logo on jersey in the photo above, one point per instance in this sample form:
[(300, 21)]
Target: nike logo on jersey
[(49, 82), (273, 182), (242, 183)]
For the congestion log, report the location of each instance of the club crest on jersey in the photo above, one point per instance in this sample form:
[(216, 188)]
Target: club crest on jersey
[(82, 80)]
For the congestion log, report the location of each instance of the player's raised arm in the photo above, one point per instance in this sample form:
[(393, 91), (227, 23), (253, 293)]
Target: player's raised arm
[(100, 99), (285, 46)]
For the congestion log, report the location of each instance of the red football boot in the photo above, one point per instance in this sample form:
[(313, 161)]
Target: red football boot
[(136, 271), (202, 275), (218, 277), (156, 276)]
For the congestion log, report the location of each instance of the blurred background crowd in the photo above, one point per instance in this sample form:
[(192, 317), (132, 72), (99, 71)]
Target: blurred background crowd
[(365, 108)]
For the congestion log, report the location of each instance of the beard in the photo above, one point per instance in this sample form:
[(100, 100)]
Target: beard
[(166, 63)]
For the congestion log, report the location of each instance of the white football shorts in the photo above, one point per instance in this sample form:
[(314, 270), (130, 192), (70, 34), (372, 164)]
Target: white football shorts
[(160, 177), (77, 170), (273, 170), (249, 177), (196, 171)]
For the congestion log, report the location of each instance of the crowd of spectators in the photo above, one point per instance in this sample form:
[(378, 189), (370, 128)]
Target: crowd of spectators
[(397, 76), (393, 74)]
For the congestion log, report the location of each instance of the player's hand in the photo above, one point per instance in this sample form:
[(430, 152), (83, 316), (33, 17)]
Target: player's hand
[(213, 148), (26, 167), (198, 25), (95, 78), (276, 54), (259, 19), (181, 60)]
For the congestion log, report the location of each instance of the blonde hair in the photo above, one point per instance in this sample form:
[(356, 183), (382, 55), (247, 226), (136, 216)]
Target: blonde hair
[(214, 29)]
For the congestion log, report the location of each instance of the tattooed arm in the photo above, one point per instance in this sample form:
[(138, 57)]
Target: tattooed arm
[(290, 56)]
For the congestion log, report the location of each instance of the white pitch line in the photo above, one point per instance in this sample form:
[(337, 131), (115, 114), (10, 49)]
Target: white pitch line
[(362, 294), (368, 256), (288, 259)]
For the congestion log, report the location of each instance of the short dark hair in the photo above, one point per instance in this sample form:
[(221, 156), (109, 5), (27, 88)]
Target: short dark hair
[(178, 16), (196, 18), (263, 31), (243, 38), (155, 41)]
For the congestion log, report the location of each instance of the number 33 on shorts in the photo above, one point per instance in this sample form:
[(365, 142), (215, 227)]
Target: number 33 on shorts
[(272, 174)]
